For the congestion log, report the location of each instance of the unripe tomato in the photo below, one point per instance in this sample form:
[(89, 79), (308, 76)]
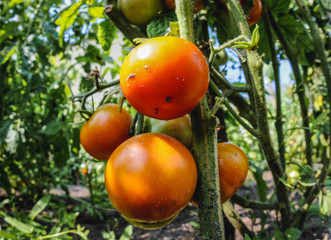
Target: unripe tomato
[(149, 225), (150, 177), (140, 12), (198, 5), (105, 130), (178, 128), (165, 77), (233, 169)]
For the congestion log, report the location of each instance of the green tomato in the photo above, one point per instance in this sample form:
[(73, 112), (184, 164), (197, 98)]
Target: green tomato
[(178, 128), (149, 225), (140, 12)]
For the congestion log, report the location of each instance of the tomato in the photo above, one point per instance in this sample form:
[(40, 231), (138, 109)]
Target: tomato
[(178, 128), (198, 5), (140, 12), (148, 225), (233, 169), (85, 171), (105, 130), (164, 77), (150, 177), (255, 13)]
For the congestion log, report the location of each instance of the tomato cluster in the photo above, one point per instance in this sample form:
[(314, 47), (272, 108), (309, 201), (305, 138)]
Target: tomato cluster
[(151, 177)]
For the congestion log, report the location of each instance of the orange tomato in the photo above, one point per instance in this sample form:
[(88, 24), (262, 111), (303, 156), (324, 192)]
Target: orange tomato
[(254, 14), (233, 169), (150, 178), (105, 130), (165, 77)]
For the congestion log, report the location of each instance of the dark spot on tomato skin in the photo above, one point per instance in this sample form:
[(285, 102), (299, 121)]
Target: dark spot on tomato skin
[(156, 111), (236, 154), (168, 99), (131, 75)]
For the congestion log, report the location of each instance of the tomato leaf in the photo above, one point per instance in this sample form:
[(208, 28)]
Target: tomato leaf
[(262, 187), (39, 206), (22, 227), (292, 234), (106, 34), (96, 12), (67, 18), (278, 5), (127, 233), (161, 25)]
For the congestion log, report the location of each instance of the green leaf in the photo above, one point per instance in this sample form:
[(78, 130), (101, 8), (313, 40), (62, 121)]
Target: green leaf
[(96, 12), (67, 18), (4, 180), (127, 233), (7, 235), (285, 183), (51, 128), (279, 235), (278, 5), (4, 130), (293, 233), (160, 26), (106, 34), (22, 227), (325, 203), (262, 187), (39, 206), (9, 54), (247, 237)]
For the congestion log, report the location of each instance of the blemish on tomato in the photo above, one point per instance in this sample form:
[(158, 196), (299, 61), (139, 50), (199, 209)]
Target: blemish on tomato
[(131, 75), (168, 99), (146, 67), (156, 111)]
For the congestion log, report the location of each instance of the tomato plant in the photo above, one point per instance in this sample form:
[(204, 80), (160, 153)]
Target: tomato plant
[(165, 77), (150, 177), (140, 12), (233, 169), (105, 130), (178, 128), (198, 5)]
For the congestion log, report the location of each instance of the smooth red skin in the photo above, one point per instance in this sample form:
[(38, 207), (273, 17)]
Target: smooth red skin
[(150, 177), (254, 14), (233, 168), (106, 129), (165, 77), (198, 5)]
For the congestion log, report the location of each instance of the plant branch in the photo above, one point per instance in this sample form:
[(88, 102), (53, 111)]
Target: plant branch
[(254, 62), (245, 203), (275, 65), (128, 30)]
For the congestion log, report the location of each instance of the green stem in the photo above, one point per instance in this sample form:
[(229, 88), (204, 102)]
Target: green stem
[(205, 147), (292, 56), (275, 65), (245, 203), (254, 62), (128, 30)]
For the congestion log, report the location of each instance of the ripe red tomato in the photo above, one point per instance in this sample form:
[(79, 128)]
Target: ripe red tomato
[(198, 5), (105, 130), (178, 128), (233, 169), (140, 12), (165, 77), (150, 177)]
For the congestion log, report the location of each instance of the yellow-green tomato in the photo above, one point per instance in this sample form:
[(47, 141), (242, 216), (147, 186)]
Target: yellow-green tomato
[(178, 128), (140, 12)]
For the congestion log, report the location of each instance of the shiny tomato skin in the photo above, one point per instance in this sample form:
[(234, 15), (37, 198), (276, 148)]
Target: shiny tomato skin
[(178, 128), (106, 129), (233, 169), (198, 5), (254, 14), (150, 177), (164, 77), (140, 12)]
